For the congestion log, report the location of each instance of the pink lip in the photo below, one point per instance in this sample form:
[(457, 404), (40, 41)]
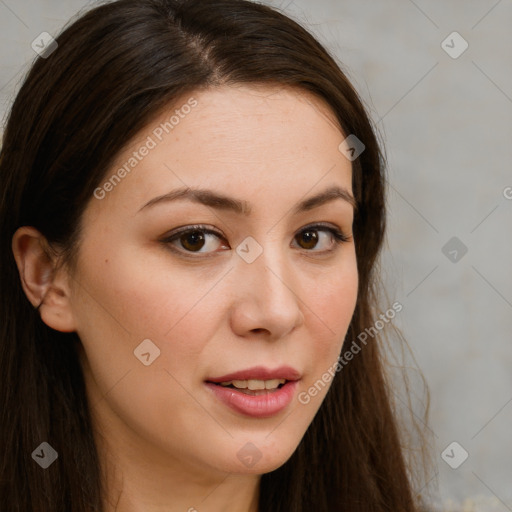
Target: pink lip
[(260, 406), (257, 406)]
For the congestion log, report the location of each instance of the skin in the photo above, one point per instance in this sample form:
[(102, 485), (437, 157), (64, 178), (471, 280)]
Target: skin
[(165, 442)]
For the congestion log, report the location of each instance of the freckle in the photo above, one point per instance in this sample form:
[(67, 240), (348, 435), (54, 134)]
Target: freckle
[(106, 261)]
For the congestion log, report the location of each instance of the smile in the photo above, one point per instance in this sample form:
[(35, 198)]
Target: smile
[(254, 386), (257, 392)]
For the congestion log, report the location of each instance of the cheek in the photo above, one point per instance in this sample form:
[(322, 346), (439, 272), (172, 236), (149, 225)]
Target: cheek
[(332, 301), (127, 301), (331, 306)]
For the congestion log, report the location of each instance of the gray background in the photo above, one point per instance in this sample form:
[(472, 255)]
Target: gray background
[(446, 125)]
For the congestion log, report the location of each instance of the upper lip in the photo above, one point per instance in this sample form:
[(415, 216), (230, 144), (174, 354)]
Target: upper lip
[(259, 373)]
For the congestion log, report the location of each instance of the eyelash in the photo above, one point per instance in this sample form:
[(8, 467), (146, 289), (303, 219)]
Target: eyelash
[(338, 237)]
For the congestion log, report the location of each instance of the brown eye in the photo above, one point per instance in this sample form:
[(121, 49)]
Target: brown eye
[(307, 239), (196, 239), (192, 241), (320, 238)]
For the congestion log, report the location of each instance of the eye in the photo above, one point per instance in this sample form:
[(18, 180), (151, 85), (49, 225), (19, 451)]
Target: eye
[(196, 239), (200, 239), (326, 237)]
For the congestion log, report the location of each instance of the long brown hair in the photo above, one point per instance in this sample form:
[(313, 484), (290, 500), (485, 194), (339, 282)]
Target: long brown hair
[(112, 72)]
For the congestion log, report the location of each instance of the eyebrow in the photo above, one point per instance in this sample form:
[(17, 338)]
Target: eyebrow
[(241, 207)]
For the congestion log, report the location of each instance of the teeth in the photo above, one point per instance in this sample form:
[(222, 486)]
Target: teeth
[(254, 384), (272, 384)]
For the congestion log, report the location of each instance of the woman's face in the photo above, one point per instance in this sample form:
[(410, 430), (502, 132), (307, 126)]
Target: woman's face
[(203, 281)]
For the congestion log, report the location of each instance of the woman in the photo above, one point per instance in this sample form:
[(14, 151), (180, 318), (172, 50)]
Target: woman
[(192, 208)]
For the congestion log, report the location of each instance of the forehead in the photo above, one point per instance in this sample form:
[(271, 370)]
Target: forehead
[(255, 142)]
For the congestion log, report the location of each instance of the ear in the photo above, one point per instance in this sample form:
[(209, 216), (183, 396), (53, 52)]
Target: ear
[(45, 284)]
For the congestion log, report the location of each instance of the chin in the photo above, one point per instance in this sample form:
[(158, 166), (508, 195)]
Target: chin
[(259, 457)]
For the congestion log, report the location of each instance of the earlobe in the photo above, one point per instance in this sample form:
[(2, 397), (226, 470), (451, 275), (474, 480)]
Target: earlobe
[(45, 284)]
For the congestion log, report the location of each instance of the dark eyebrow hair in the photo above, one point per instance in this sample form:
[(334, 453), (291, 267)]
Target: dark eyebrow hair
[(220, 201)]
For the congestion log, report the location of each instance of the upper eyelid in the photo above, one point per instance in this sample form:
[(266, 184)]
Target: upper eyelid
[(194, 227), (206, 229)]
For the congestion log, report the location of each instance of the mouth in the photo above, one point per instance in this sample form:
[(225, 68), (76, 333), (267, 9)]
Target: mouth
[(257, 392), (255, 387)]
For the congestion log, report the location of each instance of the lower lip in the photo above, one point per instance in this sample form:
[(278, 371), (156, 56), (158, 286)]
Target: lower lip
[(256, 406)]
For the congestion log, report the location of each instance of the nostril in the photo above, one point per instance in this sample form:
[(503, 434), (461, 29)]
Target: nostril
[(258, 330)]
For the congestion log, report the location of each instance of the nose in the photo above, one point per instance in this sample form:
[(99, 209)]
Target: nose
[(266, 302)]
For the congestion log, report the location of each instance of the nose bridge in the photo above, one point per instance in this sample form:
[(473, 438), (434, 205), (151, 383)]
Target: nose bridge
[(267, 296), (270, 272)]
